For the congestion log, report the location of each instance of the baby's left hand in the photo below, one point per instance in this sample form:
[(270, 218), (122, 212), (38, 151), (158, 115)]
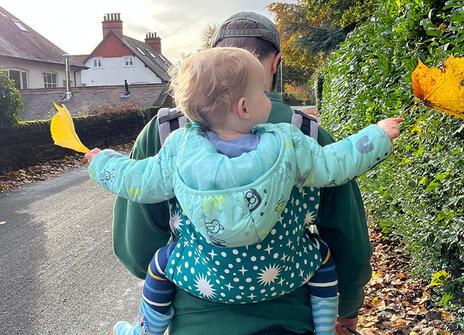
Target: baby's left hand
[(91, 154)]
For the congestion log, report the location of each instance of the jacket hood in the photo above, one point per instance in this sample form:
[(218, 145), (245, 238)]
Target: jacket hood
[(233, 201)]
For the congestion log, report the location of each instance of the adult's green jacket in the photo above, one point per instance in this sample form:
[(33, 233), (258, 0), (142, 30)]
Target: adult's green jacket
[(138, 230)]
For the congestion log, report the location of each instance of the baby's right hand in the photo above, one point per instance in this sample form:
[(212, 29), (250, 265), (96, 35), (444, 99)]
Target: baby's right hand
[(391, 126), (91, 154)]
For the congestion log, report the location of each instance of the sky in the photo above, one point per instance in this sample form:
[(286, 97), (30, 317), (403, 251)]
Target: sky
[(75, 26)]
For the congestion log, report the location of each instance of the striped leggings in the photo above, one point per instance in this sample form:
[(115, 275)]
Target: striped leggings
[(324, 282), (323, 291)]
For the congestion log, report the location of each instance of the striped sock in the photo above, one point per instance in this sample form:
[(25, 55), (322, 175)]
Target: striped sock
[(151, 322), (325, 312), (323, 290)]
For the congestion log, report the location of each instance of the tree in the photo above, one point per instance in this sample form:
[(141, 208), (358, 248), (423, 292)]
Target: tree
[(11, 103), (208, 35), (310, 30)]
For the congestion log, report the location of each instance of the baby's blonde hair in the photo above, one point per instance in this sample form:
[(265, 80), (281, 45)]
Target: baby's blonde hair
[(209, 82)]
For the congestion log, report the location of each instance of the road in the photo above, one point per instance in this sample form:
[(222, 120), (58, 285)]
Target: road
[(58, 273)]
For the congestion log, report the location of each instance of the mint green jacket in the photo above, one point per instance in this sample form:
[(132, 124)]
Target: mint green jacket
[(210, 186)]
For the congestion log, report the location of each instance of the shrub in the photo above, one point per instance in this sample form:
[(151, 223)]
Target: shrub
[(113, 109), (11, 103), (418, 193)]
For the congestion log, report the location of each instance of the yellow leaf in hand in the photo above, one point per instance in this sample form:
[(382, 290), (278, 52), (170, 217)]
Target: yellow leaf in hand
[(442, 90), (63, 132)]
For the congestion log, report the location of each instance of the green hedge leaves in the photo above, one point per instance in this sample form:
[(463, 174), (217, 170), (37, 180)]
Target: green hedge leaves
[(11, 102), (418, 193)]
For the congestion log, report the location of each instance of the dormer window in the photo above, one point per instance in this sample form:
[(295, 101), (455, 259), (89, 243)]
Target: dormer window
[(128, 61), (97, 62)]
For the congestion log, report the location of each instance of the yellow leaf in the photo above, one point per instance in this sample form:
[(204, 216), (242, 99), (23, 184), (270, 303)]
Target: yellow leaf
[(439, 278), (63, 132), (440, 89)]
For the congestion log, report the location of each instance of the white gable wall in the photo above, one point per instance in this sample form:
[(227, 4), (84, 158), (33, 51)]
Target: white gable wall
[(114, 71), (35, 71)]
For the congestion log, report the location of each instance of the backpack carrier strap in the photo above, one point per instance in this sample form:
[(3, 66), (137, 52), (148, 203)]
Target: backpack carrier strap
[(169, 119), (308, 124)]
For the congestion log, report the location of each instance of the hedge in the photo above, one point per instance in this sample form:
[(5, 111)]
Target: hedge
[(417, 194)]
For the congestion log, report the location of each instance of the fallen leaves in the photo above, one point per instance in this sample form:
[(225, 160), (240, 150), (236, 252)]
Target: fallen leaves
[(43, 171), (396, 304)]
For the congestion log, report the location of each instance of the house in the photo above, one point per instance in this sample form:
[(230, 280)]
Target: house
[(30, 59), (118, 58)]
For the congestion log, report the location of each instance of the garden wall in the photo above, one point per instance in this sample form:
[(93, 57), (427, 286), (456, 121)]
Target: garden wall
[(30, 142)]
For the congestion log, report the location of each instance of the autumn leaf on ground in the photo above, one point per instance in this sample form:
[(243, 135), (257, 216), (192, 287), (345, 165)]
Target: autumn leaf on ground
[(441, 89)]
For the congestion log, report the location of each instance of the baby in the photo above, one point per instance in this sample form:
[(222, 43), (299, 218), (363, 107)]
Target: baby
[(232, 175)]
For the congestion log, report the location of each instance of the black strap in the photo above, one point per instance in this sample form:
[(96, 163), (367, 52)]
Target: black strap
[(174, 123)]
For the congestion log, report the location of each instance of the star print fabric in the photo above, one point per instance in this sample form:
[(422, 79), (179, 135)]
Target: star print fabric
[(281, 263)]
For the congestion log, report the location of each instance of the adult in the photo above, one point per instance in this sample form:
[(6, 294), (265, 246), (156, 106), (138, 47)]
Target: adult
[(138, 230)]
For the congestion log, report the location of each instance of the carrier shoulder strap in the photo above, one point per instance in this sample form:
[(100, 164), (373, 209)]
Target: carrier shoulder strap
[(308, 124), (169, 119)]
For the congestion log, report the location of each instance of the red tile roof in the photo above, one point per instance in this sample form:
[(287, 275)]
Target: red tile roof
[(19, 40)]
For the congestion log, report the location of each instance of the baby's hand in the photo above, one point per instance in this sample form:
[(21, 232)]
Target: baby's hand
[(391, 126), (91, 154)]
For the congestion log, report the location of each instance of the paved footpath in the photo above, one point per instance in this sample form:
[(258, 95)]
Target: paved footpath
[(58, 273)]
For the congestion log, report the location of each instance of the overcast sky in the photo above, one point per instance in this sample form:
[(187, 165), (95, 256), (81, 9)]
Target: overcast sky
[(75, 26)]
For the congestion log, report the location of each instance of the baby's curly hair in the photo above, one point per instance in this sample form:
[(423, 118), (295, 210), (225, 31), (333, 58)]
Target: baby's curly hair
[(209, 82)]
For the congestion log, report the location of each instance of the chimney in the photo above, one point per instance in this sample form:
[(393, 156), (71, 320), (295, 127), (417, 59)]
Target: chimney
[(153, 41), (112, 22)]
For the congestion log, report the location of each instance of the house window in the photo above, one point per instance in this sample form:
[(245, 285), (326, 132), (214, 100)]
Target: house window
[(129, 61), (49, 79), (24, 79), (97, 62), (19, 77)]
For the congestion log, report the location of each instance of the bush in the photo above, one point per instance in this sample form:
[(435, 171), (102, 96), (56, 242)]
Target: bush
[(418, 193), (113, 109), (11, 103)]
